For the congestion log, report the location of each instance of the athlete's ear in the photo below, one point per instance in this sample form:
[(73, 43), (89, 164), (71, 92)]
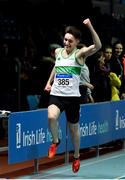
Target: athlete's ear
[(77, 41)]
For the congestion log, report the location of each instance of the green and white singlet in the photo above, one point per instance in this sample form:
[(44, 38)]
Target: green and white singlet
[(67, 76)]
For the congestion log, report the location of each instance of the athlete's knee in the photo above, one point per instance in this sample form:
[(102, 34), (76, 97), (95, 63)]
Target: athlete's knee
[(53, 113), (74, 127)]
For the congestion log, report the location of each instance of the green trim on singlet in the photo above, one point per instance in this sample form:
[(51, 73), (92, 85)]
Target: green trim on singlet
[(68, 70)]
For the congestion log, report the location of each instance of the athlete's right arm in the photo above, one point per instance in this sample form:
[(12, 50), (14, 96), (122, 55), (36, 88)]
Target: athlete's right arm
[(50, 80)]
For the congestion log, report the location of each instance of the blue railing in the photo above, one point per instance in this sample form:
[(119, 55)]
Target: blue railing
[(29, 136)]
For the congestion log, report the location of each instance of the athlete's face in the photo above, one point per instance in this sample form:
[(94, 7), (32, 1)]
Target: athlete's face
[(70, 42)]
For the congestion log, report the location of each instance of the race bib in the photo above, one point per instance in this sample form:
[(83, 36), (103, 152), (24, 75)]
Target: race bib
[(64, 79)]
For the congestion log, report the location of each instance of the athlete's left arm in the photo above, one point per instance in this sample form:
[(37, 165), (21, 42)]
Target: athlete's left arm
[(90, 50)]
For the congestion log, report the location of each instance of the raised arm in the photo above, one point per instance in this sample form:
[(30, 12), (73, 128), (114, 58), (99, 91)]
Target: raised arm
[(87, 51)]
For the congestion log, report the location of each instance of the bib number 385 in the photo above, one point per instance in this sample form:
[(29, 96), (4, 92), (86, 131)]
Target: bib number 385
[(64, 79)]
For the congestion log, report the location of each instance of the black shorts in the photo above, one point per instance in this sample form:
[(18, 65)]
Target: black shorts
[(83, 92), (71, 106)]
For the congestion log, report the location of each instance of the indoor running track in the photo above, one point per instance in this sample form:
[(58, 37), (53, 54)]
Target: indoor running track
[(109, 166)]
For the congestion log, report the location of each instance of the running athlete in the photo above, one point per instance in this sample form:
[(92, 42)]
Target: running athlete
[(63, 85)]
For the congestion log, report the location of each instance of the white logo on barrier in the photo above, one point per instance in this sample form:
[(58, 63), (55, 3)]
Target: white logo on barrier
[(32, 137), (116, 120), (88, 129), (28, 137), (93, 128), (18, 135), (119, 121)]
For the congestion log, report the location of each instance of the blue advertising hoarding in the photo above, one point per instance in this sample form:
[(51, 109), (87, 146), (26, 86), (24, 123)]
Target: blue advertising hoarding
[(29, 136)]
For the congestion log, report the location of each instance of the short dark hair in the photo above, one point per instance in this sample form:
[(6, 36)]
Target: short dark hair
[(74, 31)]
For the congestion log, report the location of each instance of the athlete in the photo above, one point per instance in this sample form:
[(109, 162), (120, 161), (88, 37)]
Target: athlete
[(63, 85)]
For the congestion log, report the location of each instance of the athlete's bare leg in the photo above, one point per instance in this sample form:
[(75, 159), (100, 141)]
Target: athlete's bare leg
[(75, 135), (53, 115)]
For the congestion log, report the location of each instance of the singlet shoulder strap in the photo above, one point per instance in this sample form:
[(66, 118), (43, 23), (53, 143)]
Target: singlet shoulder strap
[(59, 51)]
